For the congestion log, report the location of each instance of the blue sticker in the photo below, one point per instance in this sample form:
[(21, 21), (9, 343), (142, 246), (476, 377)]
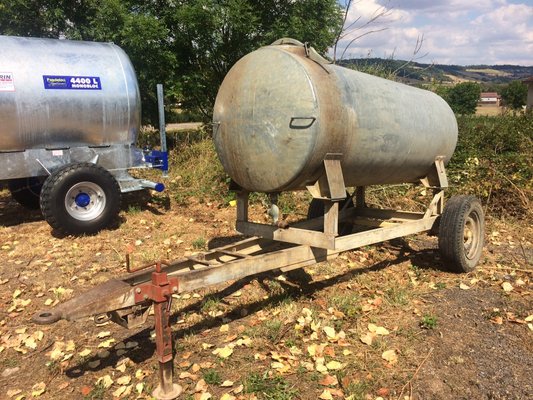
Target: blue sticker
[(72, 82)]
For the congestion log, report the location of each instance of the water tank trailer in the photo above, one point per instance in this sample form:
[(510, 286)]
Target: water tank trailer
[(69, 118), (287, 119)]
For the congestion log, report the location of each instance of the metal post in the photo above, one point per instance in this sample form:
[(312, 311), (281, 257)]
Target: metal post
[(162, 127), (360, 197)]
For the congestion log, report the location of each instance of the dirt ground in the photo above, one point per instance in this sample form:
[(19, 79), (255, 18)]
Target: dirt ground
[(380, 322)]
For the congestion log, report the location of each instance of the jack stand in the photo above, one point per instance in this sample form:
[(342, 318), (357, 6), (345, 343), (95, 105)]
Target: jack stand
[(160, 292)]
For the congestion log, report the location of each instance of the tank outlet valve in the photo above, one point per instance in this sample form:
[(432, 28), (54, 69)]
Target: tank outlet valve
[(157, 186)]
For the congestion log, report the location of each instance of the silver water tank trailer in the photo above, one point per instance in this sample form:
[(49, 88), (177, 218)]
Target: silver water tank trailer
[(69, 110), (282, 108)]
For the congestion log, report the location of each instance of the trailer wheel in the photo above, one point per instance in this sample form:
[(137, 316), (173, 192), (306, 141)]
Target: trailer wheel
[(80, 198), (461, 232), (316, 209), (26, 191)]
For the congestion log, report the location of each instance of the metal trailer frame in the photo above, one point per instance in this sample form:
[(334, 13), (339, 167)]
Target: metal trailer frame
[(127, 300)]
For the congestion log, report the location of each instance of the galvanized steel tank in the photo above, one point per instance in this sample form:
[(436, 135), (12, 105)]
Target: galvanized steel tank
[(282, 108), (63, 94)]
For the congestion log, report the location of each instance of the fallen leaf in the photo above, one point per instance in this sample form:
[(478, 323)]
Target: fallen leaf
[(85, 390), (224, 328), (329, 331), (30, 343), (84, 353), (367, 338), (463, 286), (507, 287), (103, 334), (390, 356), (120, 391), (124, 380), (326, 395), (139, 387), (71, 346), (121, 368), (56, 353), (227, 384), (38, 389), (223, 352), (188, 375), (334, 365), (195, 368), (280, 366), (140, 374), (378, 330), (106, 343), (105, 381), (329, 380), (13, 392), (227, 396), (202, 396), (201, 386)]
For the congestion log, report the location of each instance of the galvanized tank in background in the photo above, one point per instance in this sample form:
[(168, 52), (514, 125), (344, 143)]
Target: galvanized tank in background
[(35, 114), (282, 108)]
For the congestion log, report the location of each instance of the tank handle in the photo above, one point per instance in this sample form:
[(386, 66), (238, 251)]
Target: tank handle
[(305, 123), (310, 52), (286, 40)]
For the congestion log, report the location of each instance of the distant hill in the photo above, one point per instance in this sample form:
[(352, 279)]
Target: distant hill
[(413, 72)]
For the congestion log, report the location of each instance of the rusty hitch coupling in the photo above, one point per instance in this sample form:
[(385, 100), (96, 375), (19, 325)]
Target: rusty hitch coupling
[(117, 296)]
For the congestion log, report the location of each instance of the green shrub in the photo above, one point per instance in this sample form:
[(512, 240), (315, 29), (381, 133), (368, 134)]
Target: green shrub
[(493, 161)]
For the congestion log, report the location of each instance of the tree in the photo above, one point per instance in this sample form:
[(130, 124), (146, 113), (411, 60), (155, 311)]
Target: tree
[(213, 34), (463, 97), (514, 95), (188, 45), (138, 27)]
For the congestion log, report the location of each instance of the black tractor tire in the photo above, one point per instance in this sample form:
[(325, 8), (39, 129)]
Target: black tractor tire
[(80, 198), (461, 231), (316, 209), (26, 191)]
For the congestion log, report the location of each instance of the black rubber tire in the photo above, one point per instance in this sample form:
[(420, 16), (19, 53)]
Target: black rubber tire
[(316, 209), (57, 186), (461, 232), (26, 191)]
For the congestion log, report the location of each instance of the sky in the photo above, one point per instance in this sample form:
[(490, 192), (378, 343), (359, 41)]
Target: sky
[(462, 32)]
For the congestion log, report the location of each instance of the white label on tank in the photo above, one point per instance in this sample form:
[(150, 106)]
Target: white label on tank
[(7, 84), (57, 152)]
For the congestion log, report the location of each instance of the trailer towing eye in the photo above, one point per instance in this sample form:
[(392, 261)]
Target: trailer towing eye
[(159, 291)]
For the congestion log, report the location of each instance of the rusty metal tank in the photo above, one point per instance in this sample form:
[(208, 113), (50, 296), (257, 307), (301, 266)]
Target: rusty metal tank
[(63, 93), (282, 108)]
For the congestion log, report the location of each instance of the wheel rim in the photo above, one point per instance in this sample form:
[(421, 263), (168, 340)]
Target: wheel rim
[(472, 235), (85, 201)]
